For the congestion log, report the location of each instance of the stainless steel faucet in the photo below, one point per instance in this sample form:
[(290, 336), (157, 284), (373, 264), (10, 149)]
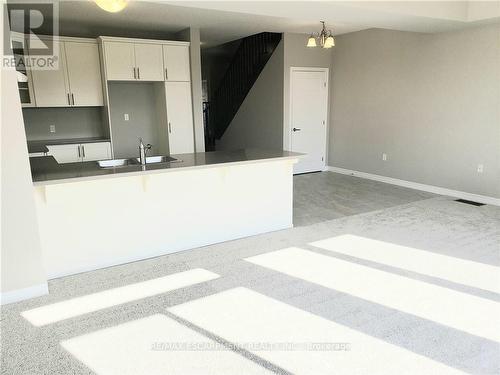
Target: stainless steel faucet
[(142, 151)]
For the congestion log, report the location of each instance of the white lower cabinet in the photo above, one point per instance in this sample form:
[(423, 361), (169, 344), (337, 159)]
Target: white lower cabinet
[(79, 152), (179, 117), (96, 151), (65, 153)]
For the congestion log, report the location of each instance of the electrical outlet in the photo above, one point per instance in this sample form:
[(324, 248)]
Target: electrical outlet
[(384, 156), (480, 168), (52, 128), (126, 117)]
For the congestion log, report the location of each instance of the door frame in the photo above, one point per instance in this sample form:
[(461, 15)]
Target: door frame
[(287, 130)]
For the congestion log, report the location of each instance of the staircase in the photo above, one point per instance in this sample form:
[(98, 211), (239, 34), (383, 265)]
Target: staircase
[(248, 61)]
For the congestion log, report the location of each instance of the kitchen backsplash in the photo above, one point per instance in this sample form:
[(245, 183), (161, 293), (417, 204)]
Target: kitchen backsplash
[(58, 123)]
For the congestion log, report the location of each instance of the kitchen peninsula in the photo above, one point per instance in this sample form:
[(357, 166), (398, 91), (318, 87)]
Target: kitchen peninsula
[(97, 204), (92, 217)]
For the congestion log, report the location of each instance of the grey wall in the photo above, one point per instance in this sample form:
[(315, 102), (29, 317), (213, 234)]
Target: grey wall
[(430, 101), (259, 121), (70, 122), (298, 55), (138, 99), (192, 35)]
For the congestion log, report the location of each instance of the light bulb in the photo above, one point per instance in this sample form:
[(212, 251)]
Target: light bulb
[(329, 42), (112, 6), (311, 42)]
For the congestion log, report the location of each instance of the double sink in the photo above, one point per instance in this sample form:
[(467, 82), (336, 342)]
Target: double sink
[(114, 163)]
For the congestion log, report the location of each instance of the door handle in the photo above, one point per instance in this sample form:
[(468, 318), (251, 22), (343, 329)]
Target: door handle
[(135, 75), (169, 128), (83, 150), (79, 155), (166, 74), (296, 129), (73, 98), (69, 100), (138, 73)]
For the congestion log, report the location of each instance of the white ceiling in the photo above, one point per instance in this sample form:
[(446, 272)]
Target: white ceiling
[(222, 21)]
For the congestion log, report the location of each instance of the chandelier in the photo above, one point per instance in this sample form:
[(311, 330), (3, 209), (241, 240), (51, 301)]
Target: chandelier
[(324, 38)]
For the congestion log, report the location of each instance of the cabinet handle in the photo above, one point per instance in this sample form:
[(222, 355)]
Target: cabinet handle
[(73, 98), (135, 76), (169, 127), (83, 150), (79, 155), (166, 74), (69, 100), (138, 73)]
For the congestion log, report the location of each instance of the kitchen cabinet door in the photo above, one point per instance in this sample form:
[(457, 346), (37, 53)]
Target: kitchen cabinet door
[(120, 61), (51, 86), (96, 151), (176, 61), (179, 117), (149, 62), (84, 73), (24, 78), (69, 153)]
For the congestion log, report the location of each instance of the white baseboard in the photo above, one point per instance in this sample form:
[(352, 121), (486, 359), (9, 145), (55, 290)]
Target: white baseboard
[(415, 185), (25, 293)]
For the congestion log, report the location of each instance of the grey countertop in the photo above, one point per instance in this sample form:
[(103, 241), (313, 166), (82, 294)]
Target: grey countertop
[(41, 145), (45, 170)]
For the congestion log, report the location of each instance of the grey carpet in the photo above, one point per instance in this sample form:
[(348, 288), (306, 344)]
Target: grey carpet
[(437, 224), (325, 196)]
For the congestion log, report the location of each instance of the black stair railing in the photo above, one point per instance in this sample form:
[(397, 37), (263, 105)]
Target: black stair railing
[(248, 62)]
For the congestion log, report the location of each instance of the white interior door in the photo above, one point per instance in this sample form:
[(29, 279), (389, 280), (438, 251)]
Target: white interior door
[(180, 117), (309, 104), (84, 73)]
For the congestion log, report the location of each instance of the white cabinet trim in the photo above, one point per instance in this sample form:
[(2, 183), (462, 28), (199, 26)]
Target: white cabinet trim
[(145, 41)]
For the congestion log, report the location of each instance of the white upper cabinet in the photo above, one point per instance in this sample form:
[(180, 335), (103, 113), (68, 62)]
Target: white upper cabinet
[(145, 60), (149, 62), (50, 86), (84, 73), (128, 61), (179, 117), (76, 82), (25, 86), (120, 61), (176, 63)]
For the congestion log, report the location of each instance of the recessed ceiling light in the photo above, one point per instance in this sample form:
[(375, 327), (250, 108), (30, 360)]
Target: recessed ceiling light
[(112, 6)]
